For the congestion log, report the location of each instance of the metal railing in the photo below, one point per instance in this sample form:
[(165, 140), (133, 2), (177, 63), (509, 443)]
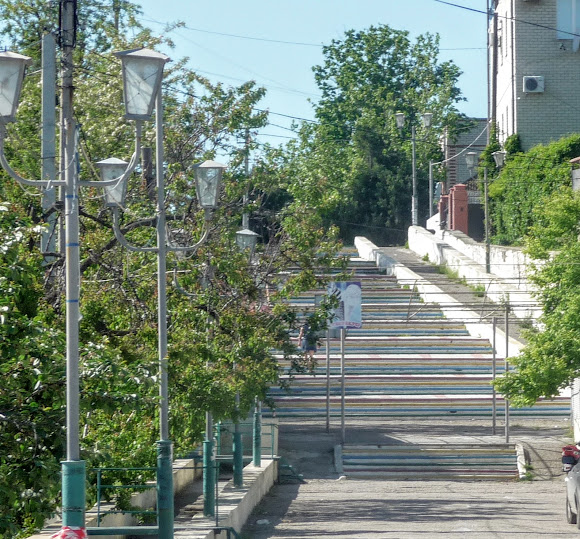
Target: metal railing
[(127, 530)]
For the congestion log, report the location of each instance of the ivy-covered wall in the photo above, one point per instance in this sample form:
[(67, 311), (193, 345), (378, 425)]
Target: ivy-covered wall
[(525, 182)]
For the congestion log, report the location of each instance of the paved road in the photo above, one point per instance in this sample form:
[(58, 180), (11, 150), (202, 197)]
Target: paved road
[(329, 506)]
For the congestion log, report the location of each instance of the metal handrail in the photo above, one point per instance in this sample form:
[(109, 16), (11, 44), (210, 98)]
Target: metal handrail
[(100, 487)]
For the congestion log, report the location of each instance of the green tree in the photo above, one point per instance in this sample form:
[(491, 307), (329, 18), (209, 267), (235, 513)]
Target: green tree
[(233, 311), (355, 157), (551, 359)]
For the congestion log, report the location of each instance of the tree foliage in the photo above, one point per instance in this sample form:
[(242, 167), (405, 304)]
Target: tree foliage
[(225, 313), (354, 162), (523, 185), (551, 359)]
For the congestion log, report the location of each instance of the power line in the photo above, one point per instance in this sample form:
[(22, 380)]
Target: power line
[(538, 25), (239, 36)]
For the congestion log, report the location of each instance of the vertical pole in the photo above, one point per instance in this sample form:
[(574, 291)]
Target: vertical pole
[(48, 239), (257, 447), (246, 215), (486, 224), (431, 189), (342, 387), (73, 469), (493, 376), (507, 403), (237, 449), (164, 449), (208, 469), (494, 73), (328, 380), (414, 209)]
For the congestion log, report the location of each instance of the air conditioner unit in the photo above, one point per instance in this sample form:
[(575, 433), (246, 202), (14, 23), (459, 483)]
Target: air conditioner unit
[(533, 84)]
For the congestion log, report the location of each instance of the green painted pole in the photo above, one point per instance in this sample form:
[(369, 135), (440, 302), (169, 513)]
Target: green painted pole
[(165, 489), (73, 493), (257, 449), (208, 479), (238, 451), (209, 472)]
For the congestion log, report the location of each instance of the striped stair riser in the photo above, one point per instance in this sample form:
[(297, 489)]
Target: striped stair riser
[(401, 368), (478, 463), (395, 369), (412, 400), (353, 392), (479, 414), (403, 332), (437, 476), (448, 475), (374, 316), (452, 405), (378, 296), (352, 353)]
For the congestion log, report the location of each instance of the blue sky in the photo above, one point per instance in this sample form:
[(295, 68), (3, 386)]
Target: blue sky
[(278, 42)]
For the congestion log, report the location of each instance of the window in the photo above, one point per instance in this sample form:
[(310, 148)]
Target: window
[(568, 19)]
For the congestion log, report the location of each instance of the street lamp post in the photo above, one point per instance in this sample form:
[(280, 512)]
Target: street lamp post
[(427, 119), (208, 178), (471, 159), (12, 67), (246, 241)]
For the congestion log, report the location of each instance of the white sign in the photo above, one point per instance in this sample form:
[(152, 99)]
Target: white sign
[(348, 314)]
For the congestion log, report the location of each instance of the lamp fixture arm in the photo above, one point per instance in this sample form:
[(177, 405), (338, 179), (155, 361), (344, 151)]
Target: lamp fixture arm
[(195, 246), (130, 167), (11, 172), (123, 241), (179, 288)]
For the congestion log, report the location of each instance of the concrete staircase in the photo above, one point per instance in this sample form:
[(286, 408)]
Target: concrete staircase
[(406, 360)]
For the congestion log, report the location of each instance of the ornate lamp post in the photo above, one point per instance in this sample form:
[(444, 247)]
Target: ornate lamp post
[(208, 175), (12, 67)]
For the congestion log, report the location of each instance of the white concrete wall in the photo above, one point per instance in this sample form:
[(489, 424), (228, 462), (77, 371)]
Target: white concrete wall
[(430, 293), (466, 257)]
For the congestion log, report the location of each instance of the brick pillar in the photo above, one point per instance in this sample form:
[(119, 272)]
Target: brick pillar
[(458, 208)]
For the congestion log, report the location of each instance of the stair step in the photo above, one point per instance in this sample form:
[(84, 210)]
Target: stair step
[(429, 461)]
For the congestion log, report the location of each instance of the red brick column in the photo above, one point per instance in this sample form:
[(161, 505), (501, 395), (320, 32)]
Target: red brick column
[(458, 208)]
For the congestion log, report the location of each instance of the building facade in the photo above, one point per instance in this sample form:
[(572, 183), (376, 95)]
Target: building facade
[(535, 69), (473, 139)]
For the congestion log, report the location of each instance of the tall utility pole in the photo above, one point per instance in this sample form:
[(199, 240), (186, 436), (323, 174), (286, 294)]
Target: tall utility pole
[(246, 215), (48, 239), (414, 200), (73, 469)]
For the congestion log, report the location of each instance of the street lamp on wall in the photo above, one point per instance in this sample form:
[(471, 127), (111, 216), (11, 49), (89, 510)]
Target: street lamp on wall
[(471, 159), (499, 158)]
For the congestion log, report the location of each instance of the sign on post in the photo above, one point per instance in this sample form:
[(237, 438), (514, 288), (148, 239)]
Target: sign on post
[(348, 314)]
